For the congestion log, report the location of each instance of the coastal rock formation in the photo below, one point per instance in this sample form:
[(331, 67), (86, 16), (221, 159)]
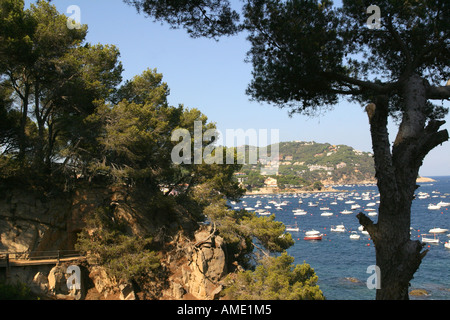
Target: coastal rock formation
[(419, 292), (33, 222), (197, 268), (193, 261)]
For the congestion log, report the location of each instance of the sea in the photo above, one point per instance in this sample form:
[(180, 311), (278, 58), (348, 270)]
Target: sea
[(346, 267)]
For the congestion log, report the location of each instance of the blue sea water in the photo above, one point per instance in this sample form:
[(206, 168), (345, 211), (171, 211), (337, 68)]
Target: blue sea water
[(342, 263)]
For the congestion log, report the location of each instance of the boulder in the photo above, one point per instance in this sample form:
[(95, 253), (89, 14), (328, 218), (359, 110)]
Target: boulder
[(57, 281), (102, 282), (40, 283), (353, 280), (207, 266), (127, 292), (419, 292)]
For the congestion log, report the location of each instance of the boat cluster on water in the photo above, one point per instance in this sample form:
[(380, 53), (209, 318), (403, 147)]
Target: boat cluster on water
[(432, 236), (351, 201)]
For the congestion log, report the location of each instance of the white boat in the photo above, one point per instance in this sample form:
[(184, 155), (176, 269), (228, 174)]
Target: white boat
[(433, 207), (355, 206), (349, 202), (324, 208), (310, 204), (291, 228), (443, 204), (371, 204), (354, 235), (430, 240), (372, 213), (437, 230), (423, 195), (299, 212), (447, 245), (346, 211), (313, 235), (326, 214), (338, 228)]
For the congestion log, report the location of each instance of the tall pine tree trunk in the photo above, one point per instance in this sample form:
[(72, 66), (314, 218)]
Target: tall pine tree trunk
[(23, 120), (397, 256)]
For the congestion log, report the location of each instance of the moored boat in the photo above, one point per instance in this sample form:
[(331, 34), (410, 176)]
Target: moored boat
[(313, 235), (293, 228), (437, 230), (338, 228), (354, 235), (443, 204), (299, 212), (426, 239)]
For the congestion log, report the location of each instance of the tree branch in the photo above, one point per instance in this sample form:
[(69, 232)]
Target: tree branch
[(431, 138), (438, 93), (368, 225), (401, 43), (384, 170), (378, 88)]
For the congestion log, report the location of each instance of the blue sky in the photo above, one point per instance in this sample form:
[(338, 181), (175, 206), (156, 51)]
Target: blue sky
[(212, 76)]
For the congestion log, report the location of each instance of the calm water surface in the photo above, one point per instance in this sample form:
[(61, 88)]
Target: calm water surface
[(342, 263)]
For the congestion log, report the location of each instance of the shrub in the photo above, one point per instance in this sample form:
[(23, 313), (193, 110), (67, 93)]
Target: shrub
[(275, 279), (124, 256)]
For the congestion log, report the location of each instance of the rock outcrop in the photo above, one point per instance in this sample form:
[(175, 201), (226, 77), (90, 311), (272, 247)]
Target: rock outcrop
[(198, 275), (193, 258)]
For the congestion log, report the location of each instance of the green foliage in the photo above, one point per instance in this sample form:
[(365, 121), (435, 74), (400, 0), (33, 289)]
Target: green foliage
[(53, 81), (18, 291), (297, 157), (255, 179), (83, 124), (244, 231), (291, 180), (145, 88), (318, 185), (275, 279), (305, 54), (208, 18), (125, 257), (9, 120)]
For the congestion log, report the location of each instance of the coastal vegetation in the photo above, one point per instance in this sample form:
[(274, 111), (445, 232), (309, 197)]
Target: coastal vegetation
[(306, 165), (69, 125), (276, 278), (308, 55)]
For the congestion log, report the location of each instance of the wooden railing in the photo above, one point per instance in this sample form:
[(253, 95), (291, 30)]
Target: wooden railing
[(8, 259)]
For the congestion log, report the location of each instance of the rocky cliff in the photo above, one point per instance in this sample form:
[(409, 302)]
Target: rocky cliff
[(192, 257)]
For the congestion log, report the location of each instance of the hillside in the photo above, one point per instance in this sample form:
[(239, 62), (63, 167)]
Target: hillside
[(303, 164)]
